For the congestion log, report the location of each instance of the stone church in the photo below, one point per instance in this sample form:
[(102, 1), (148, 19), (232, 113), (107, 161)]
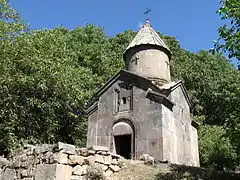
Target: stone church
[(141, 111)]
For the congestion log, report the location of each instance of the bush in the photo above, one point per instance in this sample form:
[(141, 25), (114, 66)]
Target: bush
[(216, 150), (95, 172)]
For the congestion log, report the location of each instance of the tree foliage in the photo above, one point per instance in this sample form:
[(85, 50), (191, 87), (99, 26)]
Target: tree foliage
[(46, 79), (216, 150), (229, 34), (11, 22)]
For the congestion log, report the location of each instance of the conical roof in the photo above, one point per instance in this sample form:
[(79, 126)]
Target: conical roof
[(147, 35)]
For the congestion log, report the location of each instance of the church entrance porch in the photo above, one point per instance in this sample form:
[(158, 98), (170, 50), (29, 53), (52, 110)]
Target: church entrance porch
[(124, 139)]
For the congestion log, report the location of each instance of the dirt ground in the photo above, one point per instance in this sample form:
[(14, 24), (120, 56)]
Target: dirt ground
[(137, 170)]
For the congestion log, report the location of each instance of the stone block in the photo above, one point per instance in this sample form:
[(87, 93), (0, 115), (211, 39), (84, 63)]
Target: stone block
[(29, 152), (53, 172), (99, 158), (24, 164), (91, 152), (74, 159), (63, 172), (143, 157), (16, 162), (43, 149), (114, 161), (82, 151), (99, 148), (108, 173), (47, 156), (30, 161), (29, 149), (23, 172), (80, 170), (7, 174), (23, 157), (102, 152), (31, 171), (59, 157), (147, 158), (65, 148), (37, 151), (107, 160), (115, 155), (114, 168), (45, 171), (89, 160), (103, 166), (4, 162)]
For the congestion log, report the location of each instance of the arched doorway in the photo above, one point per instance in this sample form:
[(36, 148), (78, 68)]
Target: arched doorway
[(124, 138)]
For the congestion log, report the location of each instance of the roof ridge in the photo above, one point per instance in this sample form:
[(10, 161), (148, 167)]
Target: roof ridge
[(159, 39), (147, 35)]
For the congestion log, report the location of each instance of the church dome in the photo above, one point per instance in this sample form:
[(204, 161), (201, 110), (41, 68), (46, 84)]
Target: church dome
[(147, 55), (147, 35)]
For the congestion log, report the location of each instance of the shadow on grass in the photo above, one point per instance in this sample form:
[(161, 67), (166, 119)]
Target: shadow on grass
[(195, 173)]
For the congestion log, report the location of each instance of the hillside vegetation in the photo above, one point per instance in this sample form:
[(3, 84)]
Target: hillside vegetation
[(48, 76), (139, 171)]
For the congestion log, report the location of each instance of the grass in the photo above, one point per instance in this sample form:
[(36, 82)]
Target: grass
[(136, 170)]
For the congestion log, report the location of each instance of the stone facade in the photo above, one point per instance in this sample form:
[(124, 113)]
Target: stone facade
[(180, 140), (58, 162), (158, 126), (140, 111)]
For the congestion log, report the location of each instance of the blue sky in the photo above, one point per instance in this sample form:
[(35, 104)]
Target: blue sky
[(193, 22)]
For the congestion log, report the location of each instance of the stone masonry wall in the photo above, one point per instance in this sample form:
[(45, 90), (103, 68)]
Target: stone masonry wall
[(58, 162)]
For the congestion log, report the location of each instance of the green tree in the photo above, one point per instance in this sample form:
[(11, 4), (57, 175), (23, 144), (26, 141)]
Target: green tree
[(47, 77), (11, 23), (229, 34), (216, 150)]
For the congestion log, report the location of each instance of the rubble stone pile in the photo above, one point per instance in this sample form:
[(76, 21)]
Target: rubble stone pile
[(58, 162)]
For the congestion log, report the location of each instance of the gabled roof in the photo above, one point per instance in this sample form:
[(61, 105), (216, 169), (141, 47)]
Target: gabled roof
[(172, 86), (129, 76), (159, 97), (136, 79), (147, 35)]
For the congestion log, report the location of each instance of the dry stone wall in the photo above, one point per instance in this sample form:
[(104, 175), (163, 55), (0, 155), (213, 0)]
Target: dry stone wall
[(58, 162)]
